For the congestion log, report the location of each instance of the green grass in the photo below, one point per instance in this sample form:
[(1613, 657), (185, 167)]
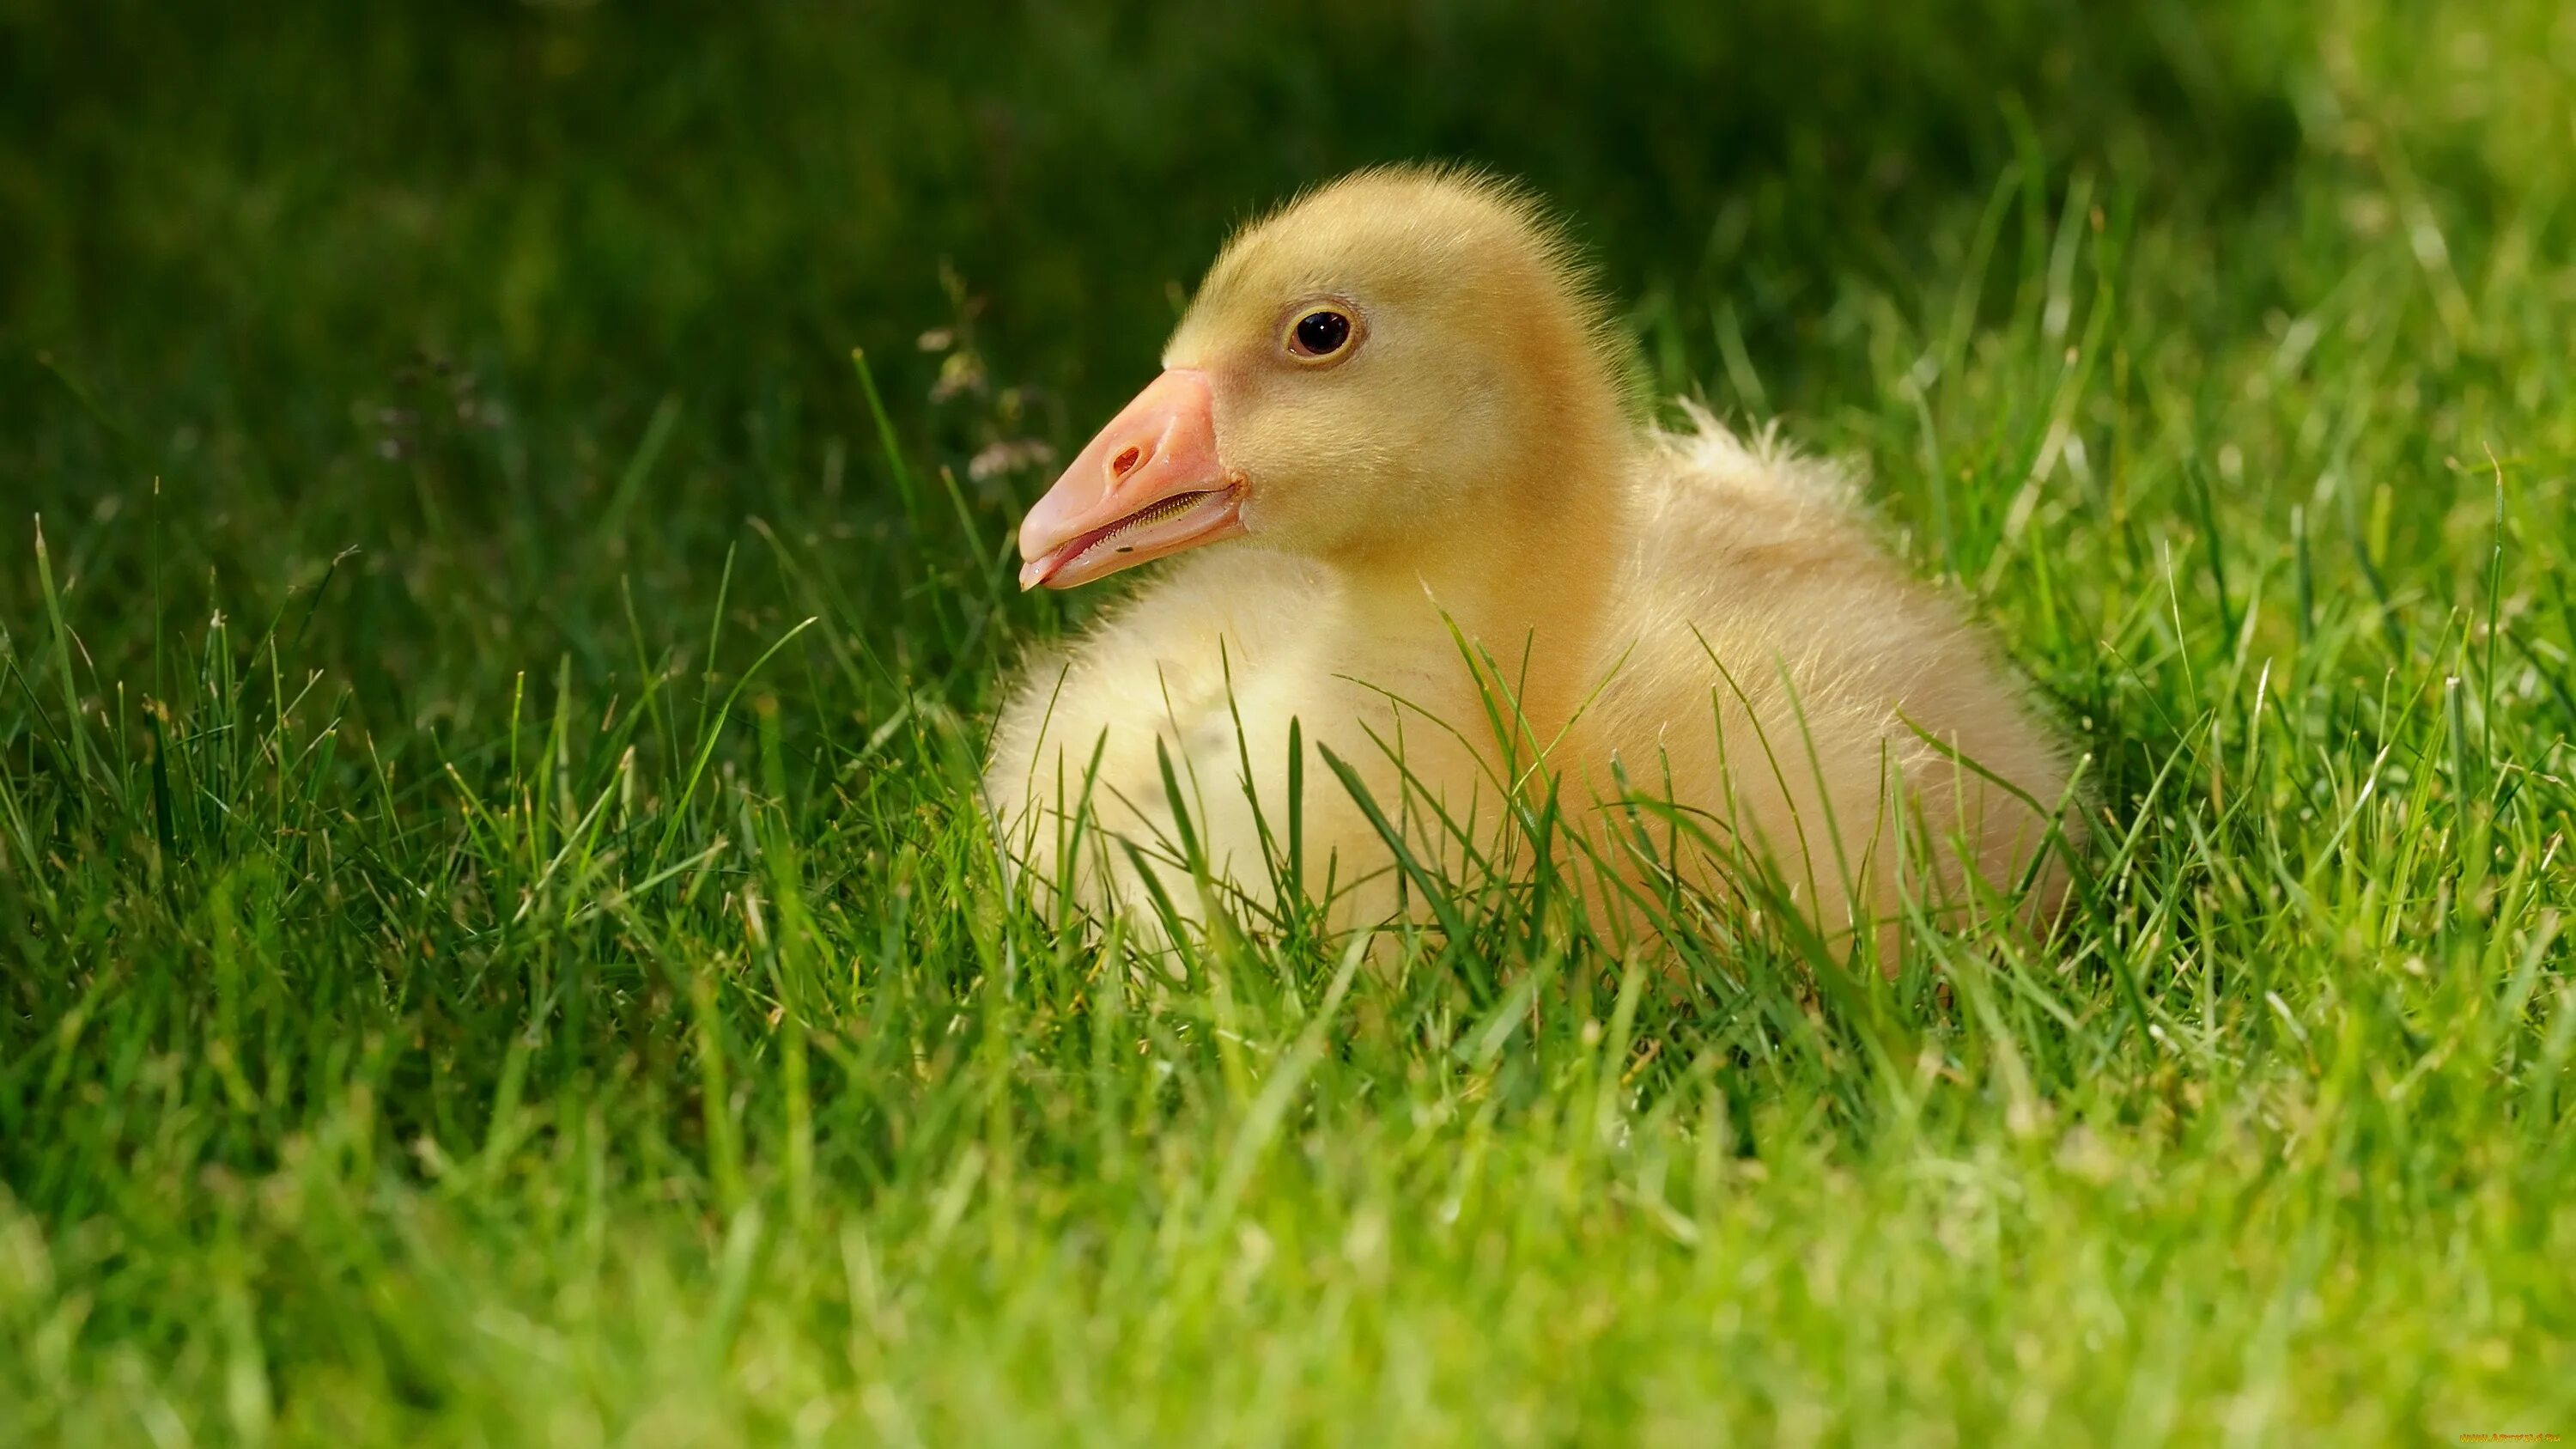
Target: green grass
[(478, 965)]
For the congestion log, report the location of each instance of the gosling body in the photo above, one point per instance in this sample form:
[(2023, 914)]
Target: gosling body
[(1399, 450)]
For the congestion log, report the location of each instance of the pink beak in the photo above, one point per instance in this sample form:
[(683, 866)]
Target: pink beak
[(1149, 485)]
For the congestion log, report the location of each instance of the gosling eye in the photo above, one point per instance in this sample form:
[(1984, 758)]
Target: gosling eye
[(1319, 334)]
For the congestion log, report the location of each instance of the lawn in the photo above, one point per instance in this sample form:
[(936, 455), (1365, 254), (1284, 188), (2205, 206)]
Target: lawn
[(498, 944)]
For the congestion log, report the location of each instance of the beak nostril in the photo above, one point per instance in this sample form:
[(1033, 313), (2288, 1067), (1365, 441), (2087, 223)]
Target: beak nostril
[(1125, 463)]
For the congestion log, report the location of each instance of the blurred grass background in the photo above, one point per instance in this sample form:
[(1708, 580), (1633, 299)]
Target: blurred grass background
[(594, 207), (434, 411)]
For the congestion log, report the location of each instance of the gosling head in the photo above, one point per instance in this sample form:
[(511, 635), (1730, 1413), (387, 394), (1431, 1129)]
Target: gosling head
[(1404, 358)]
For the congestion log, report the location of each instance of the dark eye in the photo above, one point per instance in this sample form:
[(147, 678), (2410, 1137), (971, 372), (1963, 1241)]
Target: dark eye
[(1320, 333)]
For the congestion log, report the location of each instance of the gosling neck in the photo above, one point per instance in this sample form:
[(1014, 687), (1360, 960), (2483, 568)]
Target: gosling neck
[(1527, 580)]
